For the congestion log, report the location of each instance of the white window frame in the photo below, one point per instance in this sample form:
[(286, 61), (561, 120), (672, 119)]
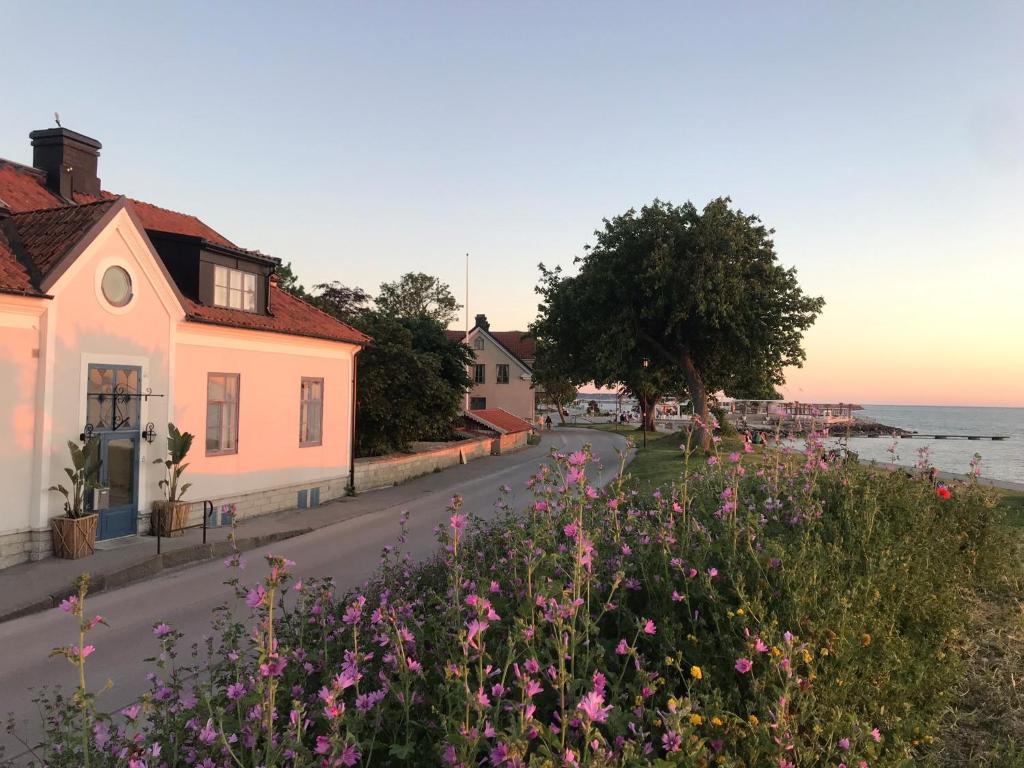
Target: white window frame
[(234, 288), (307, 403), (498, 370), (228, 415)]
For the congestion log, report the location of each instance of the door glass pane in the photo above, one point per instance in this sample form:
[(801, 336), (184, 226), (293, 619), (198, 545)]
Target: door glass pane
[(121, 472)]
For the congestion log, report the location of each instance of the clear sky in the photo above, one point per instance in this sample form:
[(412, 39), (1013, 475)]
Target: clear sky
[(884, 142)]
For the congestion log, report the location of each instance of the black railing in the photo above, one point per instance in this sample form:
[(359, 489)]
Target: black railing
[(207, 514)]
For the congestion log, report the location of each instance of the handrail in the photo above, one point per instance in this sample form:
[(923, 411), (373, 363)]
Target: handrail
[(207, 513)]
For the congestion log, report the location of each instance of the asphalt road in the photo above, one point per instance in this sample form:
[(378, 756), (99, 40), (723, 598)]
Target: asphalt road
[(349, 551)]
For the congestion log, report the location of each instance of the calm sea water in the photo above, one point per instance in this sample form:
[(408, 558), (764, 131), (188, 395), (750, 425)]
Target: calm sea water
[(1002, 460)]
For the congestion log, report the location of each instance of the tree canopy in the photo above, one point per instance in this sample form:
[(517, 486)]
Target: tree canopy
[(416, 294), (695, 292)]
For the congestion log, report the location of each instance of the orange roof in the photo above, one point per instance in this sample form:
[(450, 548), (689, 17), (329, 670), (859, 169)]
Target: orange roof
[(500, 420), (46, 227), (518, 343)]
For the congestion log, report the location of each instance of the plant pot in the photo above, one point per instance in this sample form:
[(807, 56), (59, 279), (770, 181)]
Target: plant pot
[(74, 537), (170, 517)]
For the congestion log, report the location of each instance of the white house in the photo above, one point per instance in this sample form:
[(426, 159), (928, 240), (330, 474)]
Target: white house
[(117, 317), (503, 372)]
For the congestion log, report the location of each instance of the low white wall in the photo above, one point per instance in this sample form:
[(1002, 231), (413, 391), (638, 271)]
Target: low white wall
[(395, 468)]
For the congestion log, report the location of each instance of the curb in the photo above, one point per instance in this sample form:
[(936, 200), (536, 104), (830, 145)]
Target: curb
[(199, 553)]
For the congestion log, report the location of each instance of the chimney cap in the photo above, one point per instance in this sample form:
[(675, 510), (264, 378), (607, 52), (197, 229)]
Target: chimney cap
[(60, 135)]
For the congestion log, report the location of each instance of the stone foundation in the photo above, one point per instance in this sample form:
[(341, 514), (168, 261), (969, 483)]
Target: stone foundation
[(25, 546), (395, 468)]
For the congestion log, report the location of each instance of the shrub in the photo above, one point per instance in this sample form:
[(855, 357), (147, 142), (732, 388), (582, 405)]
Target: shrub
[(800, 613)]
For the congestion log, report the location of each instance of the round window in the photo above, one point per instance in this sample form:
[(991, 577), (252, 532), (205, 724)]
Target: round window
[(117, 286)]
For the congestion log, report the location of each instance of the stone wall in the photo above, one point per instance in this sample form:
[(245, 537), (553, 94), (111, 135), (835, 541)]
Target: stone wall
[(24, 546), (384, 471), (509, 443)]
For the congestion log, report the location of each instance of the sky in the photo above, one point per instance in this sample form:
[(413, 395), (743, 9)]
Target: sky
[(883, 142)]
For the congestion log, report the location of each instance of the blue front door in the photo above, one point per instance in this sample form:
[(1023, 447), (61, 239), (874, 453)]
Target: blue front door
[(119, 471), (112, 407)]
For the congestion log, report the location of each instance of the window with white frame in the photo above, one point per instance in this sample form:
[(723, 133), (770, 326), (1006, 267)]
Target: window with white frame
[(221, 413), (478, 342), (234, 289), (502, 373), (311, 412), (479, 373)]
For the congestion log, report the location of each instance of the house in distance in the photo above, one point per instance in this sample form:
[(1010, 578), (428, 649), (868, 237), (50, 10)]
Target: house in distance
[(503, 371)]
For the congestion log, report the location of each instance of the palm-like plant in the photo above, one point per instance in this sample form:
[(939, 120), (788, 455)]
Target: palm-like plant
[(83, 473), (178, 445)]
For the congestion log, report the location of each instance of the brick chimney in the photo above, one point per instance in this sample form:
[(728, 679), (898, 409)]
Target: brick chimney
[(481, 322), (69, 160)]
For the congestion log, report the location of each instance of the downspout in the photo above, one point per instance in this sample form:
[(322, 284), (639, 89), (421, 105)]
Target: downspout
[(352, 430)]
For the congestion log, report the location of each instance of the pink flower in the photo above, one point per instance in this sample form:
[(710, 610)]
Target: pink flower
[(876, 734), (255, 597), (577, 458), (743, 665), (82, 652), (458, 522), (591, 493), (161, 630), (622, 648), (323, 745), (649, 628), (760, 646), (208, 734), (591, 706), (844, 744), (69, 604)]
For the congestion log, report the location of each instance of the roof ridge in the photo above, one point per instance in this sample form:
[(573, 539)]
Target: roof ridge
[(68, 206), (22, 166)]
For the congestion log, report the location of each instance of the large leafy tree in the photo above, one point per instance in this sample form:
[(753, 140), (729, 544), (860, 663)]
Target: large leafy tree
[(696, 292), (416, 294), (554, 385)]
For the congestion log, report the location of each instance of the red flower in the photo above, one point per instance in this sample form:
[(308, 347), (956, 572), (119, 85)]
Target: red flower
[(943, 492)]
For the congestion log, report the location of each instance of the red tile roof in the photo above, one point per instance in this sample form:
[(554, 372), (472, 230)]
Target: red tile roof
[(287, 315), (49, 226), (517, 342), (24, 189), (14, 278), (48, 234), (500, 420)]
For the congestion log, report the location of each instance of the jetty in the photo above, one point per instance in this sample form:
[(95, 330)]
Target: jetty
[(947, 437)]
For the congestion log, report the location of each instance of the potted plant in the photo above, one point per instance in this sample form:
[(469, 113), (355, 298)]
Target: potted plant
[(171, 515), (74, 534)]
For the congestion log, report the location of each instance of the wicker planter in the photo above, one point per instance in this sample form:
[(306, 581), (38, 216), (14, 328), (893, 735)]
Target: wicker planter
[(74, 537), (170, 517)]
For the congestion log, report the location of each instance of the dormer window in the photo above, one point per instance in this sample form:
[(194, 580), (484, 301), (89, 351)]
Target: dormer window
[(234, 289)]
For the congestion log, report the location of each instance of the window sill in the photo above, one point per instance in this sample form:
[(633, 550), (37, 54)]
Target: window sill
[(232, 452), (311, 445)]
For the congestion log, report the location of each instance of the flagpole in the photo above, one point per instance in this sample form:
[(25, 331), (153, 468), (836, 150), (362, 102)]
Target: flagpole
[(467, 321)]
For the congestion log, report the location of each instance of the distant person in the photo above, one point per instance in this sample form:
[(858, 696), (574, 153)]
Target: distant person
[(547, 423)]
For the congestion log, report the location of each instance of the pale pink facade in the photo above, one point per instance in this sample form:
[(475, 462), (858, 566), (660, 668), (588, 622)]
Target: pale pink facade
[(515, 393), (48, 343)]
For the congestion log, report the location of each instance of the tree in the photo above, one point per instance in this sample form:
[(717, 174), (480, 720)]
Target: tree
[(345, 303), (553, 384), (288, 281), (696, 292), (412, 380), (415, 294)]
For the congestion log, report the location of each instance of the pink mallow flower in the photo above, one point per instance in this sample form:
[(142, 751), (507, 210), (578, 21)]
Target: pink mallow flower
[(744, 665), (591, 706)]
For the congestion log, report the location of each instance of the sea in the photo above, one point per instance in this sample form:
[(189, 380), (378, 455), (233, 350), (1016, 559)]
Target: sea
[(1000, 460)]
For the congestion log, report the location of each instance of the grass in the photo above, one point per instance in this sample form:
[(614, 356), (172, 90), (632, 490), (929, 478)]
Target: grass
[(984, 725)]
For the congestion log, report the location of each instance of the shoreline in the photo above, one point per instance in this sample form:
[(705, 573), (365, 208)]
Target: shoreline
[(1005, 485)]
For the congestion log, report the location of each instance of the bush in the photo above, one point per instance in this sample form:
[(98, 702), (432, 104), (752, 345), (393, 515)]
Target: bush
[(803, 613)]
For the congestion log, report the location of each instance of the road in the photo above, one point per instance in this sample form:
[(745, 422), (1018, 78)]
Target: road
[(349, 551)]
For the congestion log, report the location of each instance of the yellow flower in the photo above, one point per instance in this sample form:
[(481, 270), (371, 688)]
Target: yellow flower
[(776, 651), (739, 611), (753, 720), (807, 656), (716, 721), (696, 719), (692, 639), (696, 673), (824, 651), (669, 661), (657, 722), (672, 703)]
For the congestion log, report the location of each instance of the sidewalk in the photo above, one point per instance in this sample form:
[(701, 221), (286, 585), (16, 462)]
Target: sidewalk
[(33, 587)]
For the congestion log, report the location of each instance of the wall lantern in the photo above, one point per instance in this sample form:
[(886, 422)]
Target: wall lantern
[(646, 362), (149, 433), (87, 431)]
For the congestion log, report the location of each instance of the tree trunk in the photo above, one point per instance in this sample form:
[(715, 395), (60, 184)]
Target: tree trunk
[(699, 400), (561, 413), (649, 416)]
